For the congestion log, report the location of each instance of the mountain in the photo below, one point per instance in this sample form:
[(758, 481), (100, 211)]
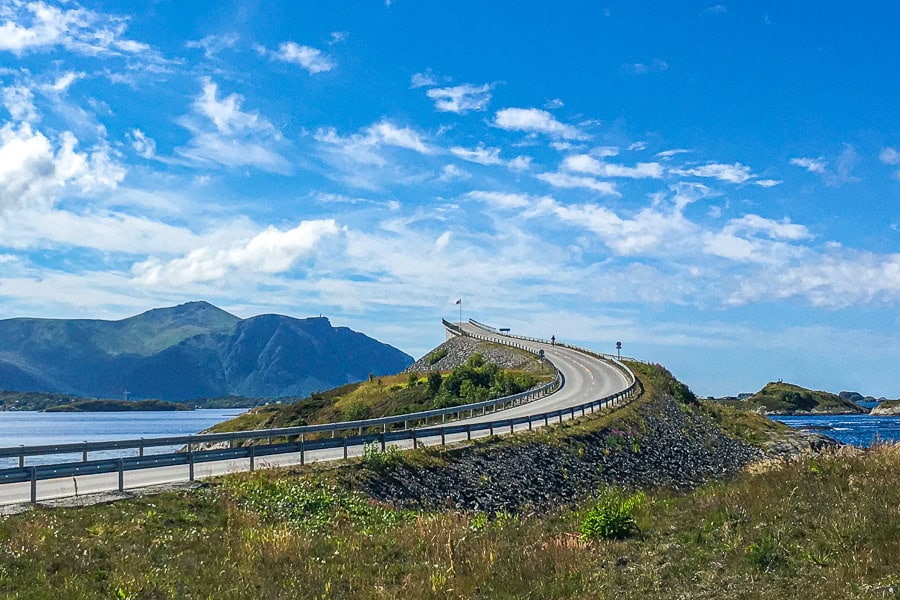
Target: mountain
[(185, 352)]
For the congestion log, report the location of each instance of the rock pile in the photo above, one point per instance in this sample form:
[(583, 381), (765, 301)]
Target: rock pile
[(459, 349), (675, 446)]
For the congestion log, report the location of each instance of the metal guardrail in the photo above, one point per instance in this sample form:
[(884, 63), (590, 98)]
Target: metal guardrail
[(300, 445), (196, 440)]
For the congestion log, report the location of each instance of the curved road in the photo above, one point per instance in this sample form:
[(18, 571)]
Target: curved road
[(586, 379)]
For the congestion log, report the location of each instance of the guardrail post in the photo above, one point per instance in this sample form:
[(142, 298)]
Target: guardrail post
[(546, 419), (360, 431), (190, 446), (414, 438), (382, 442), (21, 455), (529, 422), (443, 438), (345, 447), (84, 452), (560, 416), (33, 473), (141, 448), (405, 425), (252, 458), (469, 431), (492, 427), (190, 466), (121, 466)]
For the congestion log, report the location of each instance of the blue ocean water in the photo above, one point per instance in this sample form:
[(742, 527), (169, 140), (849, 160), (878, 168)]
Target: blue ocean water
[(858, 430), (37, 428)]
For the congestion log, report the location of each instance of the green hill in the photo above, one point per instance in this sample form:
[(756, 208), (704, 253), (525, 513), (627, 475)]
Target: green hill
[(779, 398)]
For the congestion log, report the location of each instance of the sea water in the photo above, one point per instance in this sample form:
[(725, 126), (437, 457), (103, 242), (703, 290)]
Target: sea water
[(858, 430), (32, 428)]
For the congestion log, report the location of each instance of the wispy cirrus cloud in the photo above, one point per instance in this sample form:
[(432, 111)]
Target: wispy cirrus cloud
[(489, 156), (842, 172), (226, 135)]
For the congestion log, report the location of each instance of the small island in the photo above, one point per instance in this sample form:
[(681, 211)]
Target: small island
[(784, 399), (117, 406)]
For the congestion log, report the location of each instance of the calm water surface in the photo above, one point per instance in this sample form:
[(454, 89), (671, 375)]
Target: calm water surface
[(37, 428)]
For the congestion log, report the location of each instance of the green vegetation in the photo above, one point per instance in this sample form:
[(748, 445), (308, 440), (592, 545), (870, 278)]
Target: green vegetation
[(437, 355), (612, 517), (392, 395), (786, 398), (117, 406), (821, 527)]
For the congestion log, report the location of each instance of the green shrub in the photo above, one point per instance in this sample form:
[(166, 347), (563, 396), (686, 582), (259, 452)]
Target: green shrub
[(437, 355), (379, 460), (611, 517)]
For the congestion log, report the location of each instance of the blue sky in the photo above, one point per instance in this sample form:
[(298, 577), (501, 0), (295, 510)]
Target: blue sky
[(715, 185)]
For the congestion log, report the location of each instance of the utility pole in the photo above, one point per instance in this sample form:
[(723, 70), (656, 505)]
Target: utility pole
[(459, 302)]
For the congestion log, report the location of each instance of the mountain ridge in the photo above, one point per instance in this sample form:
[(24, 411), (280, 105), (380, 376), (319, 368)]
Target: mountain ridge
[(189, 351)]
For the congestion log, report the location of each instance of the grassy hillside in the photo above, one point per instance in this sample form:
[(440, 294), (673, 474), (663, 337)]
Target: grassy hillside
[(818, 527), (118, 406), (786, 398), (473, 381)]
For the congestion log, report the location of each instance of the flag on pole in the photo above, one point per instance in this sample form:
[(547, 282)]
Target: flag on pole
[(459, 301)]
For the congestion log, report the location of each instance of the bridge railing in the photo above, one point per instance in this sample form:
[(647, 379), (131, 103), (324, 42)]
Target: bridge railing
[(299, 445), (602, 356), (190, 442)]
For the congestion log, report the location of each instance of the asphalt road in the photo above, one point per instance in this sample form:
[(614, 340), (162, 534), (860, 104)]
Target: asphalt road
[(587, 379)]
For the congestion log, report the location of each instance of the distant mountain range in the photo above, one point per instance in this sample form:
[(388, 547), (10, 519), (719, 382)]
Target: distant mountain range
[(194, 350)]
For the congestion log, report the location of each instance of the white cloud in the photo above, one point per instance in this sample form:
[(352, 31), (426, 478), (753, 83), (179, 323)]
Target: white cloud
[(649, 232), (783, 229), (768, 183), (813, 165), (237, 138), (716, 9), (453, 173), (583, 163), (362, 147), (490, 156), (142, 144), (843, 172), (338, 37), (269, 252), (837, 279), (35, 173), (564, 180), (668, 154), (226, 113), (37, 26), (889, 156), (423, 80), (461, 98), (637, 146), (736, 173), (19, 101), (311, 59), (213, 44), (63, 82), (534, 120), (554, 104), (657, 66), (501, 200), (402, 137)]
